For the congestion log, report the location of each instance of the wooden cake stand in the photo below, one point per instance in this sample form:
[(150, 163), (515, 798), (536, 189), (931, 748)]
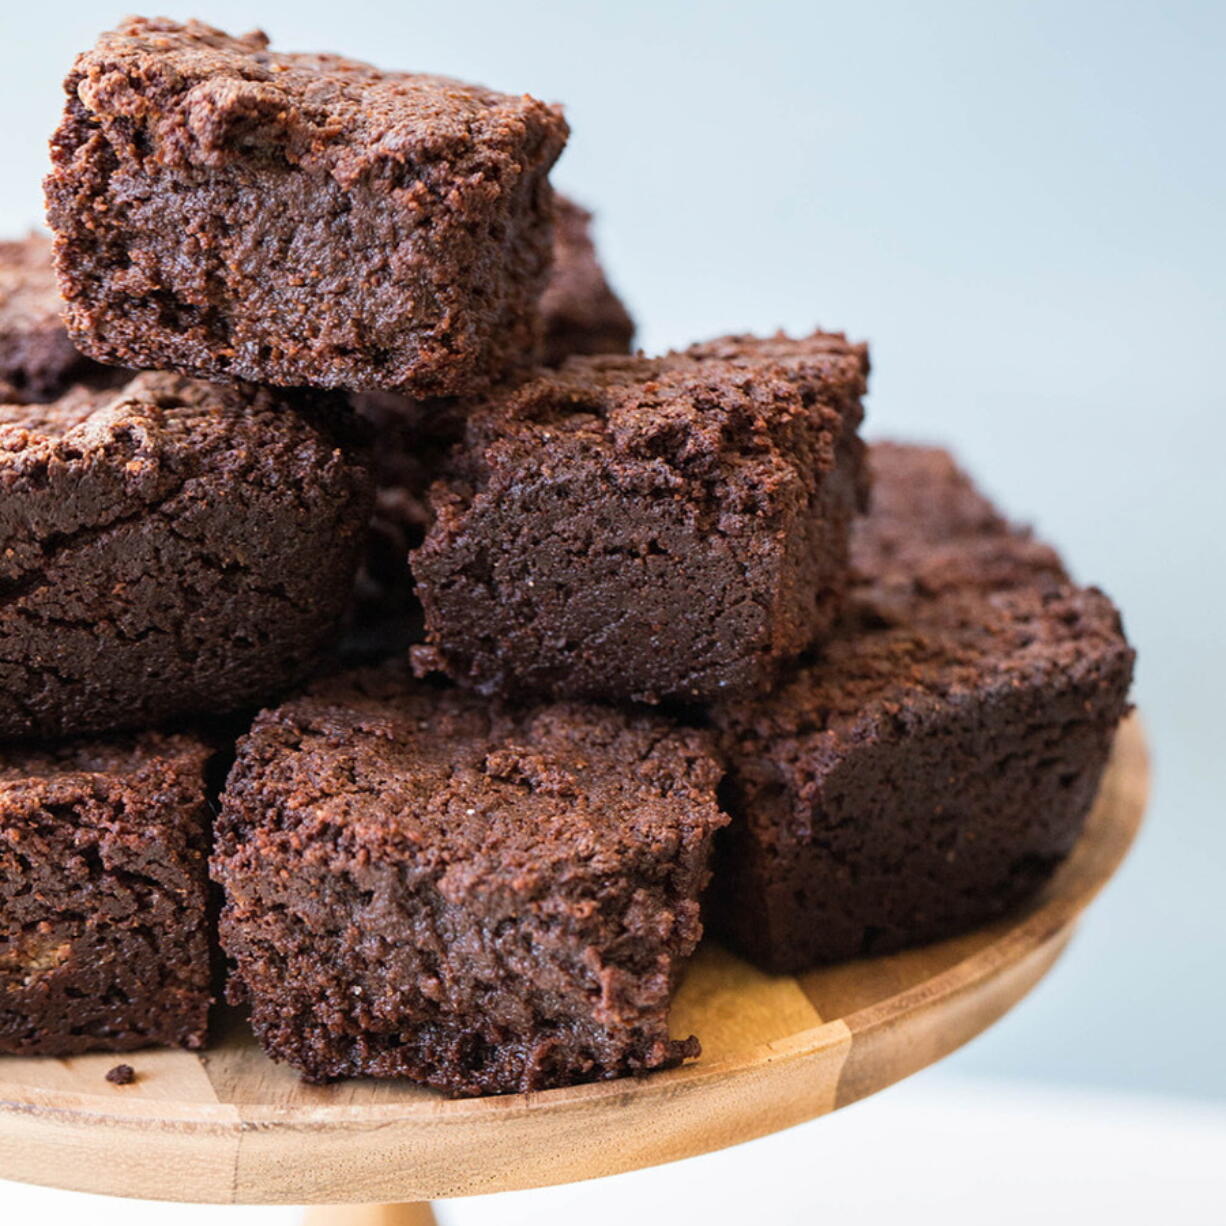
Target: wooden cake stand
[(227, 1125)]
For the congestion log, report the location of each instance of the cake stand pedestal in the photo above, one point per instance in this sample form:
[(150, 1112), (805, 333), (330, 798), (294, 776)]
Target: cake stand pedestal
[(228, 1126)]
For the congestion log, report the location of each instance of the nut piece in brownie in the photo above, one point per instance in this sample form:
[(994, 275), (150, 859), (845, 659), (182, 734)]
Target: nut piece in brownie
[(299, 220), (170, 548), (934, 764), (655, 528), (104, 926), (582, 313), (37, 360), (419, 883)]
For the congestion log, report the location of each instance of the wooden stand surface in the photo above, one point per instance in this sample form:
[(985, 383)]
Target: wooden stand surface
[(227, 1125)]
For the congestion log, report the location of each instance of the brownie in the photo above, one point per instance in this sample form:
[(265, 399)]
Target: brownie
[(37, 360), (582, 314), (649, 528), (104, 924), (930, 768), (420, 883), (170, 548), (228, 212)]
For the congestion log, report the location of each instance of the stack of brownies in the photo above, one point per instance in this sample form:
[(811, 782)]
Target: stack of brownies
[(349, 560)]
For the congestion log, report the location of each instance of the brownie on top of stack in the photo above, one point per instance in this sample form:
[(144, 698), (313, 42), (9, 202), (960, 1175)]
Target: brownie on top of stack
[(648, 638)]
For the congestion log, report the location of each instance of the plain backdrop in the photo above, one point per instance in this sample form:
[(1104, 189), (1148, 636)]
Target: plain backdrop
[(1022, 206)]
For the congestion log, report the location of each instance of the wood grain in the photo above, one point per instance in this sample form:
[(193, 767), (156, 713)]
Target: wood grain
[(371, 1215), (228, 1126)]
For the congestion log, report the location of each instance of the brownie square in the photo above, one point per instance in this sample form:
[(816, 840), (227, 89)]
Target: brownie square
[(582, 313), (170, 548), (37, 360), (422, 884), (104, 925), (935, 763), (648, 528), (298, 220)]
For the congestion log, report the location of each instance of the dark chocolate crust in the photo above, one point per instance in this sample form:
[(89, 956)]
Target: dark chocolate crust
[(929, 770), (581, 312), (649, 528), (170, 548), (299, 220), (419, 883), (37, 360), (104, 926)]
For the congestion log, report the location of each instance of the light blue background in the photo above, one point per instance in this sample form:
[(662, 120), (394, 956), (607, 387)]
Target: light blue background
[(1022, 207)]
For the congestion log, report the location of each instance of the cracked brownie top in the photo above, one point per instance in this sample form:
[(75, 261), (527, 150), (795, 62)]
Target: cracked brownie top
[(93, 458)]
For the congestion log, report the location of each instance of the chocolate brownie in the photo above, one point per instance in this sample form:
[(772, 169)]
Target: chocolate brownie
[(104, 925), (419, 883), (582, 313), (37, 360), (655, 528), (933, 765), (170, 548), (300, 220)]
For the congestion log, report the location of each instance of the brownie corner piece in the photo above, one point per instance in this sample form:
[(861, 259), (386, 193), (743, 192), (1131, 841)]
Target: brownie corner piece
[(666, 528), (230, 212), (422, 884), (104, 922)]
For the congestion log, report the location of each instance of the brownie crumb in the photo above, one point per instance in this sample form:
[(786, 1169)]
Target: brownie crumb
[(121, 1075)]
